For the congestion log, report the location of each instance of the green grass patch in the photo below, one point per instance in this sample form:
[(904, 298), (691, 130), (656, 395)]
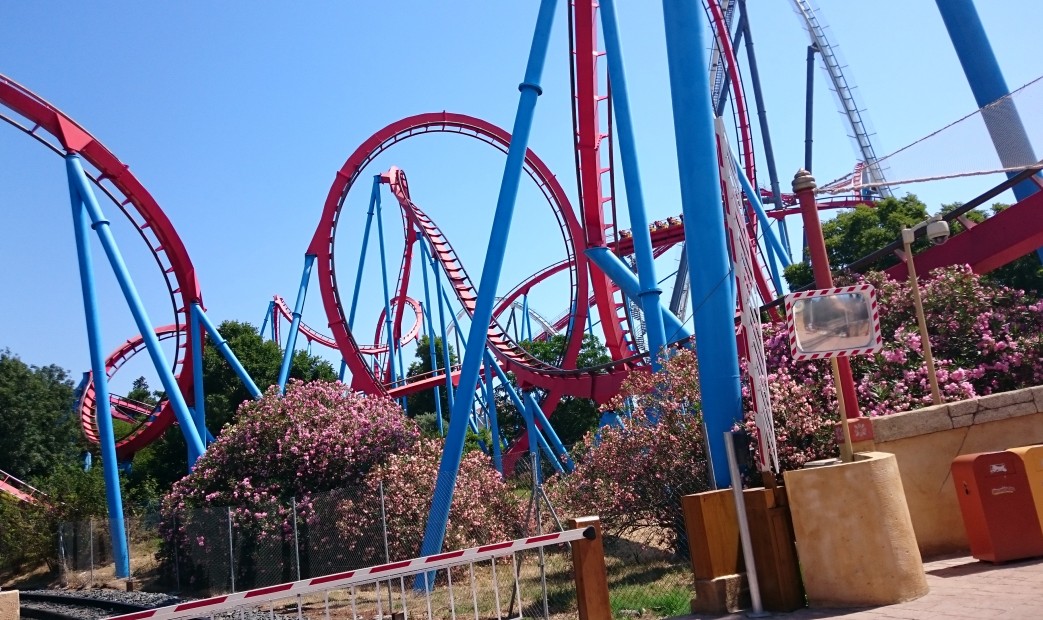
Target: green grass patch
[(655, 600)]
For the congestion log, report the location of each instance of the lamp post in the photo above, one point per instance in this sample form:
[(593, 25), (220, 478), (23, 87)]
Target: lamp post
[(937, 233)]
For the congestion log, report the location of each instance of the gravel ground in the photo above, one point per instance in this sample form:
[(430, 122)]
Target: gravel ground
[(144, 599)]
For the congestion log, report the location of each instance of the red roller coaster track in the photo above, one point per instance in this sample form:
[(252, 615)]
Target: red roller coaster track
[(322, 244), (61, 134)]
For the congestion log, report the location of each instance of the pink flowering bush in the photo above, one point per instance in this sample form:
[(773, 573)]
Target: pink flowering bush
[(284, 450), (985, 338), (633, 476), (483, 510)]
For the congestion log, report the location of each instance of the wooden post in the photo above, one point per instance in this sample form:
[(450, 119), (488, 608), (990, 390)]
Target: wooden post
[(713, 534), (588, 568)]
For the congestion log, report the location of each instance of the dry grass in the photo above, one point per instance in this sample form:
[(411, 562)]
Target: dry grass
[(643, 579)]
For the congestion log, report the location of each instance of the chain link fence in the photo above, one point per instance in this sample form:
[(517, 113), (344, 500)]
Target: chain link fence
[(220, 550)]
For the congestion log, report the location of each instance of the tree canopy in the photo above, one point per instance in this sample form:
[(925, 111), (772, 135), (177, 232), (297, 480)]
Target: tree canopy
[(856, 233), (161, 464), (37, 430), (422, 404), (573, 417), (863, 230)]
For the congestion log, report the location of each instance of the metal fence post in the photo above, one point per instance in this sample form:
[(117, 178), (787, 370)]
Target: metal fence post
[(384, 527), (63, 570), (177, 555), (231, 551), (90, 535), (296, 540), (126, 533), (536, 491)]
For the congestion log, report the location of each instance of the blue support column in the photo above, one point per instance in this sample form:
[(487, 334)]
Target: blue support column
[(270, 315), (519, 402), (434, 532), (226, 351), (769, 235), (343, 370), (709, 268), (374, 198), (526, 323), (195, 334), (762, 116), (552, 436), (447, 359), (110, 468), (650, 291), (621, 276), (494, 424), (988, 84), (431, 331), (295, 324), (78, 179), (775, 252)]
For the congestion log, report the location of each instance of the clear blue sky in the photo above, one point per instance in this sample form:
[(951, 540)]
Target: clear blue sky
[(236, 115)]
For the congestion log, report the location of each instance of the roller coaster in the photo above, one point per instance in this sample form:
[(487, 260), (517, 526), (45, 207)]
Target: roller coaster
[(632, 323)]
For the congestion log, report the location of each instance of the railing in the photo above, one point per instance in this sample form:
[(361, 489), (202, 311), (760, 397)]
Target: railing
[(422, 587), (21, 490)]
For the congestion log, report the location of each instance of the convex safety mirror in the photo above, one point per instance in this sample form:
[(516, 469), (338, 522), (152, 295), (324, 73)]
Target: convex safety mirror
[(833, 322)]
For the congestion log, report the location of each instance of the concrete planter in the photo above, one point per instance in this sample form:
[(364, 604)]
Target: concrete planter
[(854, 535)]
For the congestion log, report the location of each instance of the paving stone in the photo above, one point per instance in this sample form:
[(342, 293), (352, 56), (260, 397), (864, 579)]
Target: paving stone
[(961, 587)]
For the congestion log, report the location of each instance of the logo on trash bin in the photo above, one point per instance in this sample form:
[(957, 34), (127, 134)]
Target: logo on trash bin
[(998, 468), (1002, 490)]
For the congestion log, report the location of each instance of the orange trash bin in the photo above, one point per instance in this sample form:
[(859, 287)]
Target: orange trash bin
[(996, 503), (1032, 458)]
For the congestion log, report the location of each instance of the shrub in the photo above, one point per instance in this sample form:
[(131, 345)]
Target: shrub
[(633, 475), (317, 438), (483, 509)]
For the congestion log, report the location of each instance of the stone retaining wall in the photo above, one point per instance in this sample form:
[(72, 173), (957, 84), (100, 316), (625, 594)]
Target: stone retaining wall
[(925, 442)]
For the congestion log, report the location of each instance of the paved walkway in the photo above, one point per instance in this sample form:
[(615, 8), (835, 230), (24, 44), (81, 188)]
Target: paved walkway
[(960, 588)]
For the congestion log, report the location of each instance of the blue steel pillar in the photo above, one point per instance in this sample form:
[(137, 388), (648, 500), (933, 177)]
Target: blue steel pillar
[(710, 268), (298, 308), (621, 276), (650, 291), (226, 351), (110, 468), (375, 199), (987, 83), (195, 334), (494, 424), (434, 533), (78, 179), (447, 359), (269, 315), (430, 325)]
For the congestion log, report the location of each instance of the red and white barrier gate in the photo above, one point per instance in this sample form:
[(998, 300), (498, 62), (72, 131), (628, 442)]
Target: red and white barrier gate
[(375, 576)]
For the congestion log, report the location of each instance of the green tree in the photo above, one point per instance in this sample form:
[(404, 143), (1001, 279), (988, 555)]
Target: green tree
[(856, 233), (573, 417), (421, 405), (142, 393), (158, 466), (37, 431), (1025, 273)]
